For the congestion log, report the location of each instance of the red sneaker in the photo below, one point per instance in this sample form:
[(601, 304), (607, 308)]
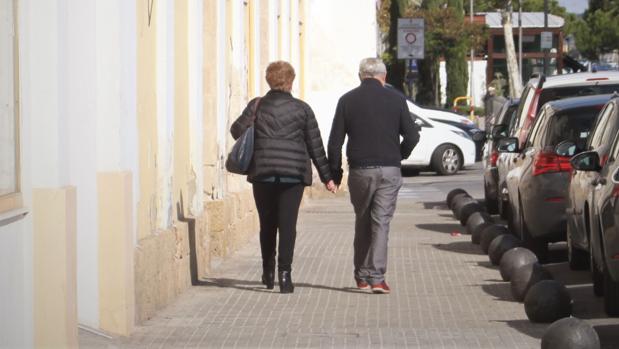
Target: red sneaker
[(362, 284), (381, 288)]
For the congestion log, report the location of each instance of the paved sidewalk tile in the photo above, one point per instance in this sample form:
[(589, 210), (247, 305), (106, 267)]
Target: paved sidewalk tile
[(445, 294)]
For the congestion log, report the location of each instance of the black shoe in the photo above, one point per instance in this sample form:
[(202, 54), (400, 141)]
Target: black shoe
[(285, 282), (268, 278)]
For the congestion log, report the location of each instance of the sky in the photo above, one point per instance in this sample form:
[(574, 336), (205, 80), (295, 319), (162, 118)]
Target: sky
[(574, 6)]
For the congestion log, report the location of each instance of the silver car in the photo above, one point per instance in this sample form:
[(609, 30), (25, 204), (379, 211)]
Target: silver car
[(581, 191), (536, 92), (538, 182)]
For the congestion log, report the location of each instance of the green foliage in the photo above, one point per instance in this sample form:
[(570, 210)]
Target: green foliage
[(455, 59), (598, 31)]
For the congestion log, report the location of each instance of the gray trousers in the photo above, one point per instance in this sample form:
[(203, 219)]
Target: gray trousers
[(373, 194)]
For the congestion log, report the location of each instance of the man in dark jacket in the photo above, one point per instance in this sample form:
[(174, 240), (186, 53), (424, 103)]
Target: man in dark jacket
[(373, 117)]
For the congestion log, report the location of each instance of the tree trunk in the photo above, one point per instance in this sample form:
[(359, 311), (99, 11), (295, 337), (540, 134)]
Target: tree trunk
[(515, 80), (455, 62)]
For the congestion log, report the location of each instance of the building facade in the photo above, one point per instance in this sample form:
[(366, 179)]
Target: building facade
[(114, 119)]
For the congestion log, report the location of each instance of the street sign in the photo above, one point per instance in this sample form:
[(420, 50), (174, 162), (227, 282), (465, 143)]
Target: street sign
[(546, 40), (410, 38)]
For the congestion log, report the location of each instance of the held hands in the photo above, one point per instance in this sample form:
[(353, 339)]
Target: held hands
[(331, 186)]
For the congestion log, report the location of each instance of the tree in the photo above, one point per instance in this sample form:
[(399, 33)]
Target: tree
[(455, 60), (515, 79), (598, 31)]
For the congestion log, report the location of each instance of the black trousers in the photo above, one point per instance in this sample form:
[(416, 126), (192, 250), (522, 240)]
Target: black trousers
[(278, 209)]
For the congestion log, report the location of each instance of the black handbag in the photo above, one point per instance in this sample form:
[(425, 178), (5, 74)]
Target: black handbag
[(242, 152)]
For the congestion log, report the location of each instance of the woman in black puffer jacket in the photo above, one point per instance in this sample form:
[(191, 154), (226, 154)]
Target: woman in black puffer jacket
[(287, 139)]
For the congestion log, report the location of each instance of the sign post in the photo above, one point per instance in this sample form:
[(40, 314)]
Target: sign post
[(410, 38)]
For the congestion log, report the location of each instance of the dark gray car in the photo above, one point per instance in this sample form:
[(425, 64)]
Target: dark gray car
[(538, 181), (498, 130), (581, 191)]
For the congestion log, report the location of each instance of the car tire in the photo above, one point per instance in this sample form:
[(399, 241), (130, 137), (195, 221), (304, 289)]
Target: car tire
[(611, 295), (492, 205), (597, 277), (577, 258), (536, 245), (446, 160)]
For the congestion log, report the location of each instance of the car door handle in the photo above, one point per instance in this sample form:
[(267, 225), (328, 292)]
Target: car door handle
[(598, 181)]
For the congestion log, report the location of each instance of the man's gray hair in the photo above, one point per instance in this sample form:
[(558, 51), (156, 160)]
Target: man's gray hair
[(371, 67)]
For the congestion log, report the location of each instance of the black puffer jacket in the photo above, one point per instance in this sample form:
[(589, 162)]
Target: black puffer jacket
[(286, 138)]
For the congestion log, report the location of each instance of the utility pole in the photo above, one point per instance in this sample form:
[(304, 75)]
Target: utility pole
[(471, 75), (520, 38), (546, 29)]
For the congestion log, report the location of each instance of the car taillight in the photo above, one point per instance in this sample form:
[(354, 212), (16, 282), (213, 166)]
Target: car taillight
[(549, 163), (494, 156)]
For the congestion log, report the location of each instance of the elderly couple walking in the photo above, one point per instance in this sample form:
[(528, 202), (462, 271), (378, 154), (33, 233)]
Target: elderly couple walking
[(287, 140)]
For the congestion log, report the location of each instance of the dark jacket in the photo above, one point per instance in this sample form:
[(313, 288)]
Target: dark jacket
[(286, 138), (373, 117)]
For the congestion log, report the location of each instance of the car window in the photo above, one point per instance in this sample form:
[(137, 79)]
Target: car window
[(596, 137), (570, 125), (551, 94), (538, 124), (525, 102), (614, 153), (611, 125)]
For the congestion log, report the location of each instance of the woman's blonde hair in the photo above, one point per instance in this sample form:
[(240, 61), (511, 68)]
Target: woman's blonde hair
[(280, 75)]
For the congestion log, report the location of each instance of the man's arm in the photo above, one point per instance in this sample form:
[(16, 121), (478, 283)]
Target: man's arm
[(409, 131), (336, 140)]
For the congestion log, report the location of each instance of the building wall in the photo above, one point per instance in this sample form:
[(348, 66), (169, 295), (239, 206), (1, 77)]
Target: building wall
[(125, 110)]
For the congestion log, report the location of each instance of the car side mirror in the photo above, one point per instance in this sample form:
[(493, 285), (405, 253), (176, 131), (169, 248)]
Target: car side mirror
[(498, 131), (566, 148), (508, 145), (615, 176), (586, 161), (479, 136)]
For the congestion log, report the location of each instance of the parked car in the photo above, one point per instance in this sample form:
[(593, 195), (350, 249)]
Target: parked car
[(538, 182), (499, 129), (604, 224), (449, 118), (536, 92), (455, 120), (581, 193), (442, 148)]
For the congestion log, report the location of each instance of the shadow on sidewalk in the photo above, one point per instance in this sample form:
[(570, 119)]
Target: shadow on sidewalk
[(442, 227), (501, 291), (435, 205), (256, 286), (459, 247), (527, 327)]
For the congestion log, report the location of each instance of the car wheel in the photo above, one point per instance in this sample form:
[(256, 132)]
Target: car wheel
[(492, 204), (577, 259), (446, 160), (596, 275), (536, 245), (611, 294)]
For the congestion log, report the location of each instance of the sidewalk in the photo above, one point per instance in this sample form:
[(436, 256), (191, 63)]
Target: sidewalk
[(444, 294)]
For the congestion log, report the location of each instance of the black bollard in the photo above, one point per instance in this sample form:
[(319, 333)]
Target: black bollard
[(476, 233), (460, 202), (547, 301), (514, 259), (570, 333), (452, 194), (476, 219), (500, 245), (489, 234), (525, 277)]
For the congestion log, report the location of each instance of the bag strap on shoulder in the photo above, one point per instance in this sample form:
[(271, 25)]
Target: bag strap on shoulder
[(254, 109)]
